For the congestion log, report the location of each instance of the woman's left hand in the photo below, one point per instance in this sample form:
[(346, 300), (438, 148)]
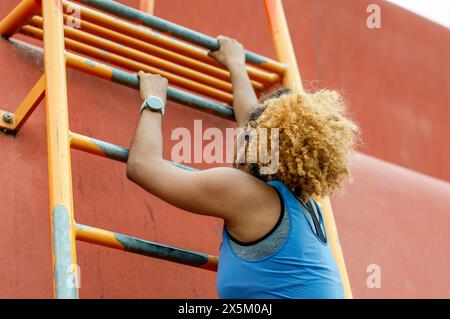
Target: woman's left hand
[(153, 85)]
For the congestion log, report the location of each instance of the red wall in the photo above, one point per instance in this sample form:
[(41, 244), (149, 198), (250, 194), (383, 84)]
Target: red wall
[(395, 78), (397, 219), (390, 216)]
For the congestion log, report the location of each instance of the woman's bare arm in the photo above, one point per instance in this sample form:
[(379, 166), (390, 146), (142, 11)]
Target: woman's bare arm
[(222, 192)]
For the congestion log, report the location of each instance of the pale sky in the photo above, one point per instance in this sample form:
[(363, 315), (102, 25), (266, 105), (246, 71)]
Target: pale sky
[(434, 10)]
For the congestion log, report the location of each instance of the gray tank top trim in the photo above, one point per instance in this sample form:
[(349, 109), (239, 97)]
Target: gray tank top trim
[(265, 247), (270, 244)]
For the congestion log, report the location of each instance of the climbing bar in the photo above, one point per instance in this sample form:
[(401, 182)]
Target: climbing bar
[(176, 30), (17, 119), (148, 36), (147, 248), (135, 66), (196, 67), (97, 147), (108, 150), (105, 149), (131, 80), (109, 73), (107, 45), (20, 14)]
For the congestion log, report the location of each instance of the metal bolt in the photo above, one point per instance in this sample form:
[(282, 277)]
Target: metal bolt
[(8, 117)]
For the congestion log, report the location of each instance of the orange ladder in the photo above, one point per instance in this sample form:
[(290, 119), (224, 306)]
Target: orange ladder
[(200, 82)]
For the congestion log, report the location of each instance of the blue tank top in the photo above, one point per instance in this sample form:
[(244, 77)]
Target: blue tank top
[(303, 267)]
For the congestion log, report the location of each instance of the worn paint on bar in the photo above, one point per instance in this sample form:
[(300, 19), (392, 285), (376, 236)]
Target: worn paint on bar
[(59, 168), (112, 151), (155, 250), (108, 49), (146, 248), (98, 236), (90, 63), (153, 22), (96, 19), (64, 274), (125, 78), (166, 26), (176, 95), (212, 264), (199, 103), (105, 149)]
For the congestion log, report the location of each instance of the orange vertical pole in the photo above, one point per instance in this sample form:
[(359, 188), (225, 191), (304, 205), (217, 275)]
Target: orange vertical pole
[(286, 54), (59, 166), (283, 44), (147, 6)]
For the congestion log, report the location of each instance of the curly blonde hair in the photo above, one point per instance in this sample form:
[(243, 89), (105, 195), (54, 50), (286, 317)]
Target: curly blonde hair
[(315, 140)]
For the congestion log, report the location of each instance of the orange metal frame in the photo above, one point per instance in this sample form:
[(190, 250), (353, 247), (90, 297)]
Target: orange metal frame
[(136, 49), (147, 6), (285, 52)]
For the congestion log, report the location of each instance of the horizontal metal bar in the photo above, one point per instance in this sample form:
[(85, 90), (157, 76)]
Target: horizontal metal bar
[(127, 63), (97, 147), (110, 73), (105, 149), (165, 54), (159, 40), (144, 247), (173, 29), (131, 80), (158, 65)]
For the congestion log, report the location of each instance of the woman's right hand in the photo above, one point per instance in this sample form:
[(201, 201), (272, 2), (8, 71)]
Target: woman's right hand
[(230, 53)]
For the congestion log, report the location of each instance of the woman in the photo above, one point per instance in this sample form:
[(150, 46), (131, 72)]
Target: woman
[(274, 241)]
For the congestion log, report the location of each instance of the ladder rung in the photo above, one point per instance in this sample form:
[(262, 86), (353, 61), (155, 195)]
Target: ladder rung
[(115, 75), (97, 147), (132, 65), (144, 247), (165, 54), (139, 56), (131, 80), (105, 149)]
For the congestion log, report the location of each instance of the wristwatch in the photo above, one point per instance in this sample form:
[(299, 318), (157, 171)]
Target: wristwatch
[(154, 104)]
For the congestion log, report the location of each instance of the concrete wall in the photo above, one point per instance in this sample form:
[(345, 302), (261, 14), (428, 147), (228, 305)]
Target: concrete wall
[(391, 216)]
